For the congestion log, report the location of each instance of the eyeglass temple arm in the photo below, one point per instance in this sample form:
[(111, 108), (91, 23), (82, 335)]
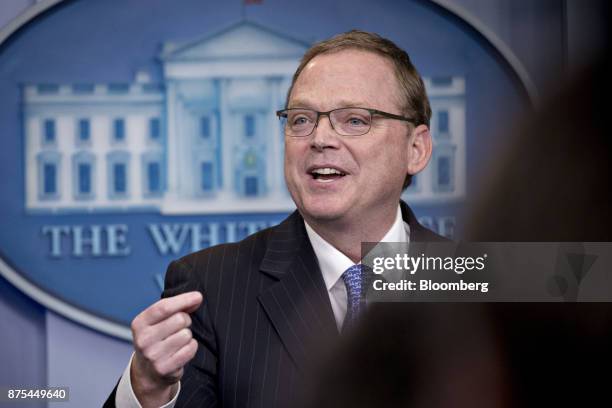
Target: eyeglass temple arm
[(391, 116)]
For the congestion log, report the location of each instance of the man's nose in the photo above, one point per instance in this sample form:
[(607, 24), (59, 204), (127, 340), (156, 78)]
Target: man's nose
[(323, 135)]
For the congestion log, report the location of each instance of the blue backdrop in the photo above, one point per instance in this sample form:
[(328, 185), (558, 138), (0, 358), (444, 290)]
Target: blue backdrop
[(101, 41)]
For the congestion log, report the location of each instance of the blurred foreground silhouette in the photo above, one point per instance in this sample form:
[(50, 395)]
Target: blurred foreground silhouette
[(552, 183)]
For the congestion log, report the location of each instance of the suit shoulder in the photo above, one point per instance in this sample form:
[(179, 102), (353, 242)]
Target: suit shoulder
[(253, 247), (213, 270), (431, 236)]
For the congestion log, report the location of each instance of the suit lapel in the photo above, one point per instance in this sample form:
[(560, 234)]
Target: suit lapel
[(418, 233), (297, 304)]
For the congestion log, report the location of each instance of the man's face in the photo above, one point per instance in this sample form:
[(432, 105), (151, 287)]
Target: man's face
[(373, 165)]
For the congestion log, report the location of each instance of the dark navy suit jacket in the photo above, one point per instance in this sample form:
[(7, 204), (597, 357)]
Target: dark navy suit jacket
[(265, 312)]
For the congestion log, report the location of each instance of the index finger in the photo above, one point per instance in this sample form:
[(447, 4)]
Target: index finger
[(164, 308)]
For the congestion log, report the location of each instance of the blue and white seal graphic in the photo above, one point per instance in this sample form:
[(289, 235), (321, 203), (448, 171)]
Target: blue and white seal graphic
[(135, 134)]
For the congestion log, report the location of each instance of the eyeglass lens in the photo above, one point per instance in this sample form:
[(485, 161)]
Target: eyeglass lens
[(345, 121)]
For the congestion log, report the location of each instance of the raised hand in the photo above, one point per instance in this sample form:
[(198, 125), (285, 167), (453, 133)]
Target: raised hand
[(163, 345)]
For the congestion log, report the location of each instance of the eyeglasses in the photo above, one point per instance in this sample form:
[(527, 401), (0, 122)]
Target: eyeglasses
[(299, 122)]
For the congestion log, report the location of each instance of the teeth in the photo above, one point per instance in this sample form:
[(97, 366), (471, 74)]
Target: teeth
[(326, 171)]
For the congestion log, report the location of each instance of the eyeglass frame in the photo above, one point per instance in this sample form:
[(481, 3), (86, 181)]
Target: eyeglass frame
[(372, 112)]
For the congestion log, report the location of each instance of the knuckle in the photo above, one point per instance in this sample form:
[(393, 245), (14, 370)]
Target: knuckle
[(136, 325), (165, 306), (139, 343), (159, 367), (142, 339), (160, 308), (148, 354), (181, 319)]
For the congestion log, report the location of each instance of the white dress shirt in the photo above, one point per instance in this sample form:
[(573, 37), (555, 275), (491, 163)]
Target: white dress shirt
[(332, 263)]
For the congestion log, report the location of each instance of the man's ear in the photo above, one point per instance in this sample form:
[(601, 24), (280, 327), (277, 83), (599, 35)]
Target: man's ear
[(420, 149)]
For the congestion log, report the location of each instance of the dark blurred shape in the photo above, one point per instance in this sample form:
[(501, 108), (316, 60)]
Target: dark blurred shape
[(555, 353), (416, 355), (552, 183), (472, 355)]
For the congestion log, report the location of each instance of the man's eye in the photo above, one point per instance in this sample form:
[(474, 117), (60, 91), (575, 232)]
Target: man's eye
[(354, 121), (299, 120)]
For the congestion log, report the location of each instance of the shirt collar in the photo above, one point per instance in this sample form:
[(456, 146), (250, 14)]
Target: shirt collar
[(333, 263)]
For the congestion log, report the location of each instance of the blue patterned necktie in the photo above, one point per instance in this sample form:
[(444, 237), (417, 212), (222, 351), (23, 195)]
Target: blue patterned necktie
[(353, 280)]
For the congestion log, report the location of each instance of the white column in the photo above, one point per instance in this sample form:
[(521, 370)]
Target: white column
[(100, 146), (183, 139), (275, 155), (64, 135), (135, 142), (33, 136), (226, 138), (172, 162)]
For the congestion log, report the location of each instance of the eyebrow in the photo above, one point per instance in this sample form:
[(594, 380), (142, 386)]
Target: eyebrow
[(343, 103)]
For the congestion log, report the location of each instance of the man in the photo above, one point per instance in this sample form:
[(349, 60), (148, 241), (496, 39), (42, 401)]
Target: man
[(356, 130)]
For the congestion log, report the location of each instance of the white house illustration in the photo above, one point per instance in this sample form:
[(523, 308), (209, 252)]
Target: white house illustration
[(443, 180), (205, 140)]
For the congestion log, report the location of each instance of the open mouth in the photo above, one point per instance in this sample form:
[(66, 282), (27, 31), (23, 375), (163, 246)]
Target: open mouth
[(326, 174)]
